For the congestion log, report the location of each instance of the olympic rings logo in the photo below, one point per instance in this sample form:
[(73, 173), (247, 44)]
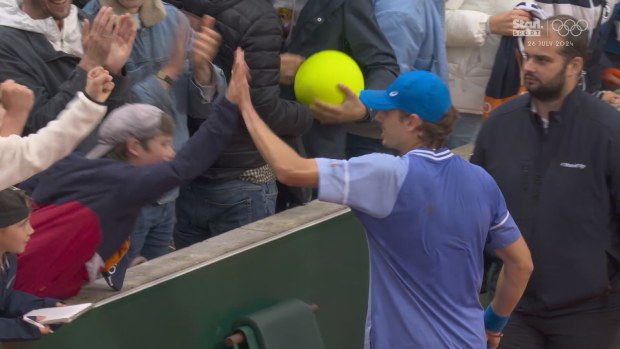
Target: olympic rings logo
[(569, 26)]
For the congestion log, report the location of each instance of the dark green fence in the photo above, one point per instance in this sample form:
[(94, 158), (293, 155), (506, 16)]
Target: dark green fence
[(325, 263)]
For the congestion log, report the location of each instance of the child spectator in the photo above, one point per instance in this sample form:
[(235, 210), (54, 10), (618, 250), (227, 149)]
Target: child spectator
[(87, 206), (15, 230)]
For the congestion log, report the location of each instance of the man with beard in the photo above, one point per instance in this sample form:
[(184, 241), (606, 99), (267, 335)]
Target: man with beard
[(555, 155), (44, 46)]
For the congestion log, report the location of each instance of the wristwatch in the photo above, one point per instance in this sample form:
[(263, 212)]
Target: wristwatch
[(165, 77), (367, 117)]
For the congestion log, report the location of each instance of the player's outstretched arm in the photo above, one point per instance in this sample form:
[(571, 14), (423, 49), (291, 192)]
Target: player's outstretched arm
[(290, 168)]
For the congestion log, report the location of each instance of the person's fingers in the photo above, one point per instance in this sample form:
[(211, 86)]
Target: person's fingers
[(110, 26), (207, 22), (520, 19), (203, 41), (349, 94), (108, 86), (202, 52), (96, 25), (108, 76), (127, 29), (248, 76), (211, 34), (325, 112), (240, 70), (95, 72), (104, 22), (102, 78), (11, 89), (7, 83), (325, 107), (85, 28), (116, 26), (521, 13), (101, 20), (210, 40), (240, 61), (215, 37)]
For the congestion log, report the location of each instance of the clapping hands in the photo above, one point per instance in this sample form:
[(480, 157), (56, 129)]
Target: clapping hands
[(108, 41)]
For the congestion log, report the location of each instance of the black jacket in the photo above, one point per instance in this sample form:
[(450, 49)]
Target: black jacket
[(255, 27), (348, 26), (14, 304), (562, 186), (53, 76)]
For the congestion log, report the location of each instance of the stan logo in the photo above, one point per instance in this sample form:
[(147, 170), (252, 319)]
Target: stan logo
[(526, 28)]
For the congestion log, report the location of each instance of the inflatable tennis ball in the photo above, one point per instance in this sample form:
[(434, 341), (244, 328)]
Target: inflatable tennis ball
[(319, 75)]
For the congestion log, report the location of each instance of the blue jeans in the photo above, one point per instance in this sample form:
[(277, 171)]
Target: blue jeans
[(208, 208), (358, 146), (464, 131), (153, 231)]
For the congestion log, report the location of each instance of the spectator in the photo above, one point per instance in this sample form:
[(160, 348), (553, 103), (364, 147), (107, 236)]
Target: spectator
[(165, 73), (535, 147), (598, 67), (415, 30), (348, 26), (240, 188), (82, 228), (343, 25), (428, 216), (20, 158), (43, 48), (473, 32), (15, 230), (610, 39)]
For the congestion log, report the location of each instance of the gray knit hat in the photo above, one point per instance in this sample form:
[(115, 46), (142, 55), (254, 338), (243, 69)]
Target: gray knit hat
[(13, 206), (140, 121)]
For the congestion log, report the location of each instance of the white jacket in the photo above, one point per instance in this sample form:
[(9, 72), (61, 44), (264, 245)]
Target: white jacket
[(471, 52), (21, 158)]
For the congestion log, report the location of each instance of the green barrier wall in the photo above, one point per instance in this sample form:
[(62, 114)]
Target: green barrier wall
[(325, 264)]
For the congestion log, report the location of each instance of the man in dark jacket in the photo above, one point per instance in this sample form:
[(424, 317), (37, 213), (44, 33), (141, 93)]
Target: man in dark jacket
[(348, 26), (41, 47), (554, 154), (240, 188)]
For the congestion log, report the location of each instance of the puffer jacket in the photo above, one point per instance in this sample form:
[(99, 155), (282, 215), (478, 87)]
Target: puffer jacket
[(471, 51), (255, 27)]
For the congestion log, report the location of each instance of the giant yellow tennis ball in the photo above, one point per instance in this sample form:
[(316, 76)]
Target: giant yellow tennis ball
[(319, 75)]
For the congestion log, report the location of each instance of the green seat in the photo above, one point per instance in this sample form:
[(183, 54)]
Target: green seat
[(287, 325)]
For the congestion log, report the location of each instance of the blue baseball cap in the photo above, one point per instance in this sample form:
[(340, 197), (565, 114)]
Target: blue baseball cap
[(415, 92)]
